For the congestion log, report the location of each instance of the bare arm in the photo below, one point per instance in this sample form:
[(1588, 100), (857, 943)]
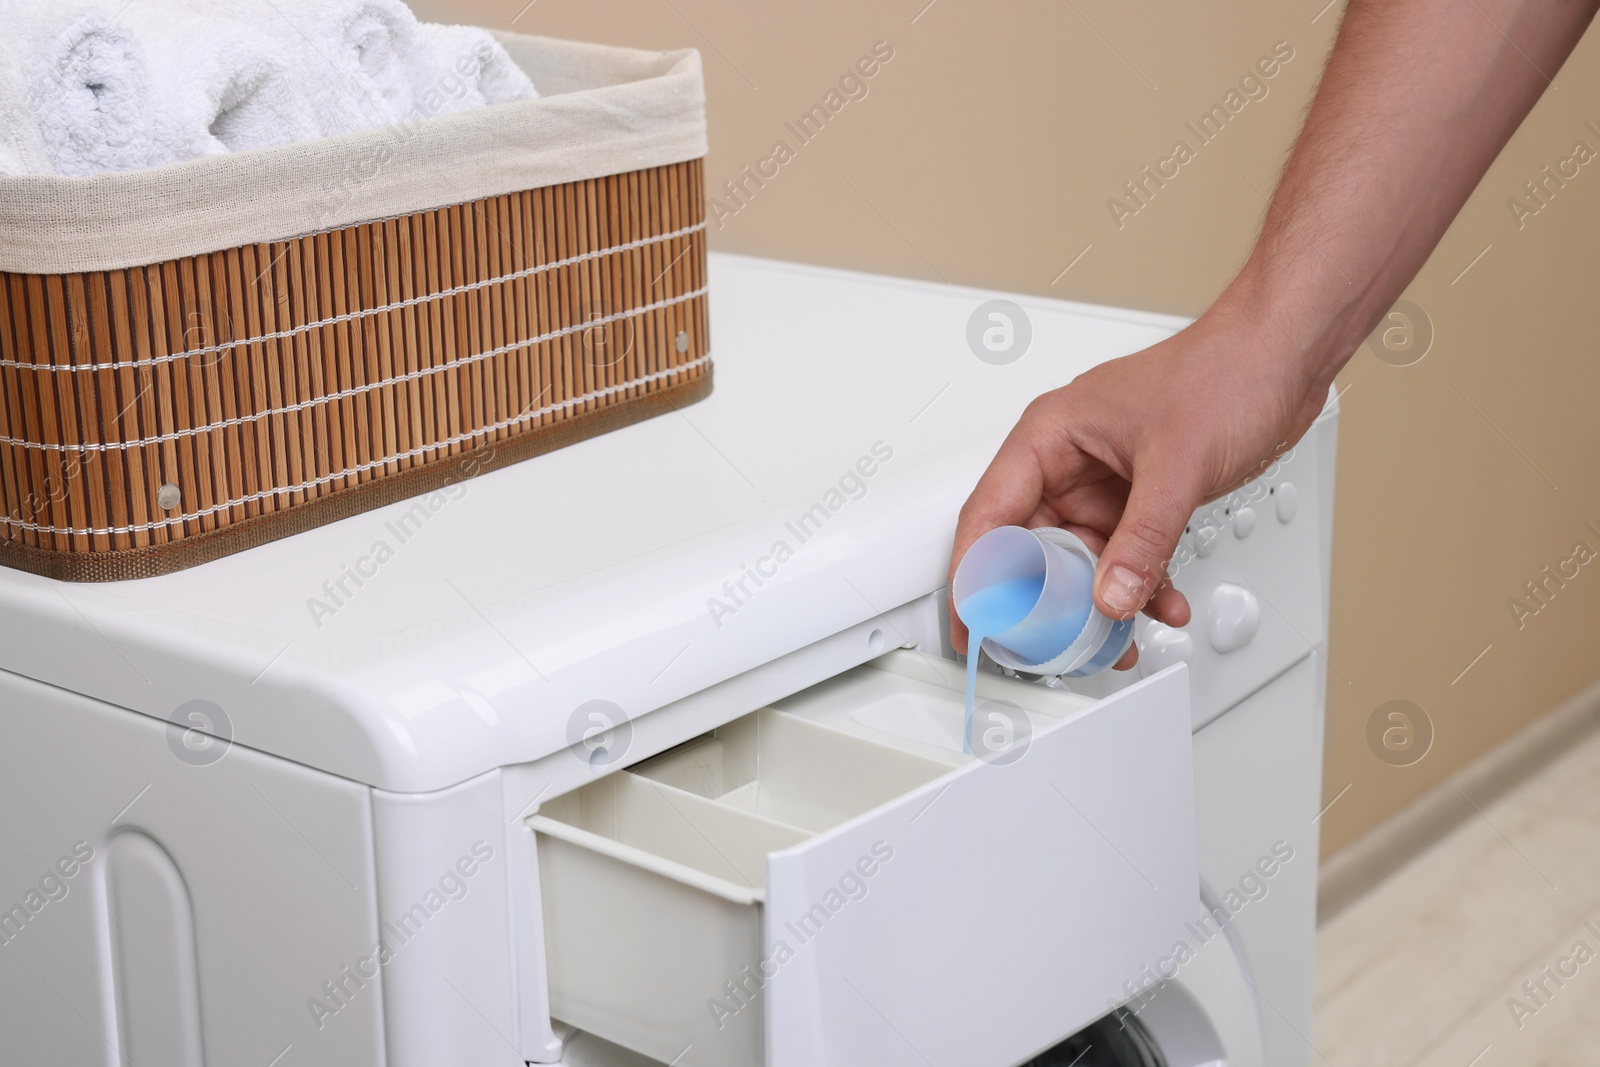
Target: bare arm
[(1418, 98)]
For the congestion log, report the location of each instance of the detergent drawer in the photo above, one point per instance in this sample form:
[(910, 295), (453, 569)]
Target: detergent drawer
[(830, 881)]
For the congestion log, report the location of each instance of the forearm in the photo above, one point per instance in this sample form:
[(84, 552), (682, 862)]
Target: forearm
[(1418, 98)]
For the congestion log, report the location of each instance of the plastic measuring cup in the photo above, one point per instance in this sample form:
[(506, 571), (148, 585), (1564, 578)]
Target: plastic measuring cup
[(1027, 596)]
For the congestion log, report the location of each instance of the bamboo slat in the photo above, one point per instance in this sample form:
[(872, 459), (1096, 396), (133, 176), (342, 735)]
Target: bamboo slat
[(155, 418)]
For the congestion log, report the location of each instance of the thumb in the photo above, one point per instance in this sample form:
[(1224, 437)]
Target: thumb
[(1136, 559)]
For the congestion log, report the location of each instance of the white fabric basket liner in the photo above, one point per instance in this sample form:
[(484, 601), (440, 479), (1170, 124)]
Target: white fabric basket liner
[(602, 111)]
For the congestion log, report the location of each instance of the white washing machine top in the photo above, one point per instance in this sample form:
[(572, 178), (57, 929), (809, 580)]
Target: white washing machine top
[(418, 645)]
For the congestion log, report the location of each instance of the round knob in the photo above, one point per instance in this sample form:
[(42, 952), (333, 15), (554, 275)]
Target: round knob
[(1244, 523), (1232, 617), (1161, 646), (1288, 498), (1205, 540)]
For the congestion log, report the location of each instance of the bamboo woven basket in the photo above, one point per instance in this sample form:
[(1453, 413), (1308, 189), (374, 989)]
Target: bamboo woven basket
[(159, 414)]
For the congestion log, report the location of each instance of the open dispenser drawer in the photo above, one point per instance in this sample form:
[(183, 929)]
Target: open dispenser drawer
[(830, 881)]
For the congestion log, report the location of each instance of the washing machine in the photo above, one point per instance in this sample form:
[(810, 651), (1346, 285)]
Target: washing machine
[(646, 751)]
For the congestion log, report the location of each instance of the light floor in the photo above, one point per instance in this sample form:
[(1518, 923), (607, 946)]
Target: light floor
[(1419, 971)]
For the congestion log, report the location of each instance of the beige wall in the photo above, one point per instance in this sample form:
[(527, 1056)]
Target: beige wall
[(986, 152)]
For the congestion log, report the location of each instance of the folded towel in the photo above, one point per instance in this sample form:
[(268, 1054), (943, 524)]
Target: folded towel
[(359, 62), (127, 84), (88, 89), (218, 86), (471, 70)]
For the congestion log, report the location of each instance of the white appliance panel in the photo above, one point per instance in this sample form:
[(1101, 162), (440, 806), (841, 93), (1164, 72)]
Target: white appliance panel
[(1027, 891)]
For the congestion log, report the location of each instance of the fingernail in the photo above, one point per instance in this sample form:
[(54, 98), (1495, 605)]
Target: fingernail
[(1122, 590)]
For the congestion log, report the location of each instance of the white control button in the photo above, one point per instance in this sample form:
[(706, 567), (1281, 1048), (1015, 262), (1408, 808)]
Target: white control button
[(1232, 617), (1244, 523), (1161, 646), (1288, 498), (1205, 540)]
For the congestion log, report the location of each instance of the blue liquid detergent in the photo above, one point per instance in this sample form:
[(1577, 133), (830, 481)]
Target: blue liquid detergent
[(988, 611)]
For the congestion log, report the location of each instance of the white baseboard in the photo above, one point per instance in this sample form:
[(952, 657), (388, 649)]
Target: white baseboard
[(1359, 867)]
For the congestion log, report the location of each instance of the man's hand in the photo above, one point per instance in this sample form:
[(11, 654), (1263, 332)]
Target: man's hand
[(1124, 454)]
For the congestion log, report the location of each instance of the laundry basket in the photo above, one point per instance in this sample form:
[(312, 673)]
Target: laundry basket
[(205, 357)]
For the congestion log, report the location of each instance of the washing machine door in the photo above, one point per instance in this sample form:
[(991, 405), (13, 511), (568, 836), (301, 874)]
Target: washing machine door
[(1117, 1040), (1207, 1016)]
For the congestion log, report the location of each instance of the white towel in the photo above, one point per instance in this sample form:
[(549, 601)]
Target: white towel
[(217, 85), (11, 165), (122, 86), (470, 70), (88, 89), (359, 62), (21, 148)]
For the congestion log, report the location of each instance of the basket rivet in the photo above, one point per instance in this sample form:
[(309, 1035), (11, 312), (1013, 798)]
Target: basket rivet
[(683, 341), (169, 496)]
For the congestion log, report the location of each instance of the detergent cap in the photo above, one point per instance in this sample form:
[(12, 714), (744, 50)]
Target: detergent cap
[(1060, 632)]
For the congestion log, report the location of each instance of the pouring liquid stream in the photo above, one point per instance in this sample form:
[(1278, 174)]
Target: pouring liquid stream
[(991, 610)]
